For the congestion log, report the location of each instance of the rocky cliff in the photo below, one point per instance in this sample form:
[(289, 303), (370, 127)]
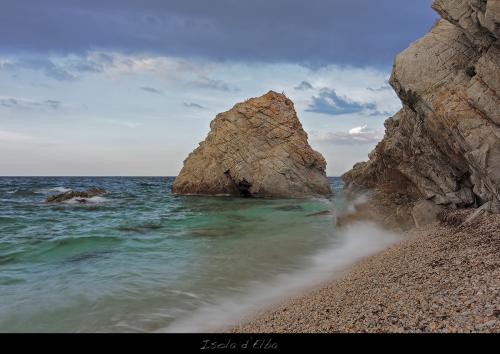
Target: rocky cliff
[(444, 145), (258, 148)]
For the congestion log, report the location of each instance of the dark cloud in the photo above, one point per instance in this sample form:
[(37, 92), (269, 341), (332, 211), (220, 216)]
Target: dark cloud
[(355, 32), (193, 105), (150, 89), (304, 85), (329, 102), (213, 84)]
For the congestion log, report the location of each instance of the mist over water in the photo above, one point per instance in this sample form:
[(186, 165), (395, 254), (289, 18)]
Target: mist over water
[(140, 259), (351, 244)]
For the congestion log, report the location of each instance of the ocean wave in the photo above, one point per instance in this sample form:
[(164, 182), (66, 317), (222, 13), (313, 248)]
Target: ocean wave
[(21, 192), (185, 293), (10, 281), (354, 243), (75, 249), (52, 190)]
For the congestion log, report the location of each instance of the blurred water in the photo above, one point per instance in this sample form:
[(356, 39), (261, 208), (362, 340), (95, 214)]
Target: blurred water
[(140, 258)]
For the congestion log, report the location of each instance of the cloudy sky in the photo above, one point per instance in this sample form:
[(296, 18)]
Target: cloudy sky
[(122, 87)]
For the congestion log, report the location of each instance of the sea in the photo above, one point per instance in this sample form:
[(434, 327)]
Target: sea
[(140, 259)]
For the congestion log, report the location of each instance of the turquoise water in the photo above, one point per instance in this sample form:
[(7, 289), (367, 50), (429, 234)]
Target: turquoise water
[(139, 258)]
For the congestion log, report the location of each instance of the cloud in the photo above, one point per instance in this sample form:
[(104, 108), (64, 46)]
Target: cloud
[(52, 103), (339, 32), (328, 102), (150, 89), (46, 66), (304, 85), (213, 84), (91, 62), (193, 105), (355, 136), (21, 103), (385, 87), (114, 64), (377, 113)]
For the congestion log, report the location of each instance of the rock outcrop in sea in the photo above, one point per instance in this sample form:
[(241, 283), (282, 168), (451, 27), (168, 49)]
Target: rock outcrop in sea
[(257, 148), (444, 145), (79, 196)]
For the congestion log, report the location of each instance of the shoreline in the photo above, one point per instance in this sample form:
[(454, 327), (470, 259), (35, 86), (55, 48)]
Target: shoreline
[(333, 261), (442, 277)]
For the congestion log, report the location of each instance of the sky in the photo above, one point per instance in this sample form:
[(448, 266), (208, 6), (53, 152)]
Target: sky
[(121, 87)]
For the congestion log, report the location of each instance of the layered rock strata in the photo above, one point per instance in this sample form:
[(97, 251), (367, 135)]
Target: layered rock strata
[(257, 148), (444, 145)]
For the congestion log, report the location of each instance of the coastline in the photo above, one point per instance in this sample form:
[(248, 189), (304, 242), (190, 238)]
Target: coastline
[(443, 277)]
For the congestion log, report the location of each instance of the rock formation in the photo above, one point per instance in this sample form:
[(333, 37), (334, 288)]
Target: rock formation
[(258, 148), (444, 145), (89, 193)]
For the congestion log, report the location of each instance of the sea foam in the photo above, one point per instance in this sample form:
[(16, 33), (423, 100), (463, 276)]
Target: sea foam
[(52, 190)]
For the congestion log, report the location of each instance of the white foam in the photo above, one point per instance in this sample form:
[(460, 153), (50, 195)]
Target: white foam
[(55, 189), (353, 243), (83, 201)]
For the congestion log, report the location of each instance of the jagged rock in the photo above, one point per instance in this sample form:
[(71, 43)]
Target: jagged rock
[(444, 145), (258, 148), (89, 193)]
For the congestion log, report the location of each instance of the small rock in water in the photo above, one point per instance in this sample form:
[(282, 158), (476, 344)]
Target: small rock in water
[(139, 228), (89, 193), (289, 208), (321, 213)]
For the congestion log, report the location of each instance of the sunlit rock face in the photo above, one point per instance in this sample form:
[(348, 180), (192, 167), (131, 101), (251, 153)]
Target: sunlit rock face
[(444, 145), (258, 148)]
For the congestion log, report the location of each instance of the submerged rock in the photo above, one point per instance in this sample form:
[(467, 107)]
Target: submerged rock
[(258, 148), (444, 145), (322, 213), (89, 193), (289, 208)]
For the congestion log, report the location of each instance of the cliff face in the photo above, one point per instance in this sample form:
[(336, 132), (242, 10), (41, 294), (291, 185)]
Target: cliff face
[(444, 145), (258, 148)]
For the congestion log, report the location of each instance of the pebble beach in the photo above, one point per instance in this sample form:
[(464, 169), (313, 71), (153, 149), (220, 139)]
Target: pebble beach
[(443, 277)]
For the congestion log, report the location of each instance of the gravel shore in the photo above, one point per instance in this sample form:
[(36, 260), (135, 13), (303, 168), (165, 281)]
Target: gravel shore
[(442, 278)]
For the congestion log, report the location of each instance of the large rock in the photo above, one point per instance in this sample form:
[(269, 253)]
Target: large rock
[(444, 145), (258, 148), (425, 212)]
